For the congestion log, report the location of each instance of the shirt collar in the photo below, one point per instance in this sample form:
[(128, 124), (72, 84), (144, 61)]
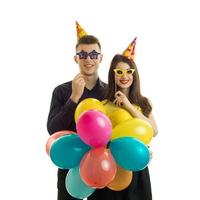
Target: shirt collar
[(97, 85)]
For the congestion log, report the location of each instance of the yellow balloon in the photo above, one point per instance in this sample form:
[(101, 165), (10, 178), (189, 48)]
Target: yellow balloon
[(89, 104), (122, 179), (135, 127), (118, 116), (109, 107)]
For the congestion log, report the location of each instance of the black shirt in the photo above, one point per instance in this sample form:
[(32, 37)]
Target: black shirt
[(62, 109)]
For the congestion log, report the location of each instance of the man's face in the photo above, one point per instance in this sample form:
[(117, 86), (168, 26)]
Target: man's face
[(88, 56)]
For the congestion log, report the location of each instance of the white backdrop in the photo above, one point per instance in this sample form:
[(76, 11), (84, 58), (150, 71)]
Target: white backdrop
[(37, 40)]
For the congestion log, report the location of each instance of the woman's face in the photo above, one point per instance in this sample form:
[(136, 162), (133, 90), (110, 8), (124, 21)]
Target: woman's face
[(123, 75)]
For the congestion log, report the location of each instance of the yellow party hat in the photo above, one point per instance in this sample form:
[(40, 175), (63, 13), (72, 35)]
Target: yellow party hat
[(80, 31), (130, 51)]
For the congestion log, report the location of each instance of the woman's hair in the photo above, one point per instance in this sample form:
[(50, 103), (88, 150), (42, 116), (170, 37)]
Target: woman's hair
[(135, 96)]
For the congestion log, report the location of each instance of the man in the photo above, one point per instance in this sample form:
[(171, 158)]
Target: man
[(66, 96)]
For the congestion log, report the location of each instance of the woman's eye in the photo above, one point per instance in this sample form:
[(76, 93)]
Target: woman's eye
[(119, 72)]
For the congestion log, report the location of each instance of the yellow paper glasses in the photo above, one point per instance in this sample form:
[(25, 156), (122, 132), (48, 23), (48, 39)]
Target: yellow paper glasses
[(121, 72)]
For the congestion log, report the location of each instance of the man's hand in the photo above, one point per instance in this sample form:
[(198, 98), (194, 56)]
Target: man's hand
[(78, 85)]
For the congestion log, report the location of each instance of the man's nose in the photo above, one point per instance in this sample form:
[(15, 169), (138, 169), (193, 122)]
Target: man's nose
[(88, 58)]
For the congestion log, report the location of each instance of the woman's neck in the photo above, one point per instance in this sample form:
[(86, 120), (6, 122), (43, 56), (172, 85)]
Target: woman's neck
[(125, 91)]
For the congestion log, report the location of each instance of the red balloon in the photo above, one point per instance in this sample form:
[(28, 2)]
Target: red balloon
[(98, 167), (55, 136)]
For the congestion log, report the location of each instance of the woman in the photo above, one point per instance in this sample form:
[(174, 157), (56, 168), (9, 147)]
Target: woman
[(124, 91)]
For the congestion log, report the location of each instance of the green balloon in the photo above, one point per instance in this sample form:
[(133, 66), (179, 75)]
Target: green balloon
[(67, 151), (75, 186), (130, 153)]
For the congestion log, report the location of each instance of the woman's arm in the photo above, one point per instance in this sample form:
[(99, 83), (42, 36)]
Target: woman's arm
[(136, 113), (122, 100)]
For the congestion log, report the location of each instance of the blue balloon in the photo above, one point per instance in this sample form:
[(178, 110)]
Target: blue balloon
[(67, 151), (130, 153), (75, 186)]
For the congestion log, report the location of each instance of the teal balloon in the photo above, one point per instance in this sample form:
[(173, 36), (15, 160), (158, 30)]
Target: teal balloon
[(67, 151), (130, 153), (75, 186)]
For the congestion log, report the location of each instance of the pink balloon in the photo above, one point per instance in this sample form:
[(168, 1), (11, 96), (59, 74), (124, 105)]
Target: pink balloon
[(94, 128)]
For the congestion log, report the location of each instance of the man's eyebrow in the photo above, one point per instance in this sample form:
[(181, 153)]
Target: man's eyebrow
[(94, 52), (82, 51)]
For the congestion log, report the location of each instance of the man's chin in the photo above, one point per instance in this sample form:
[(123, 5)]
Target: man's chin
[(89, 73)]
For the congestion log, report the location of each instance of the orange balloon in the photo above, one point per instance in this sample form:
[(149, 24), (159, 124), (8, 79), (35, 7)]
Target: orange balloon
[(122, 179), (55, 136), (98, 167)]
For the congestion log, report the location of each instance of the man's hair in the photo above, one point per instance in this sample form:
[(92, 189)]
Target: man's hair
[(88, 39)]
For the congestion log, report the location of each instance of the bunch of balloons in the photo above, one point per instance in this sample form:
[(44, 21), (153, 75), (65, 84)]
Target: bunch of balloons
[(108, 146)]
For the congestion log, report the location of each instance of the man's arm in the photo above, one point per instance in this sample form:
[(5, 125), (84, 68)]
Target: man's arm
[(60, 116), (61, 113)]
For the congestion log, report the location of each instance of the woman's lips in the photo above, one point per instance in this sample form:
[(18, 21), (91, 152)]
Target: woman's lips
[(124, 81)]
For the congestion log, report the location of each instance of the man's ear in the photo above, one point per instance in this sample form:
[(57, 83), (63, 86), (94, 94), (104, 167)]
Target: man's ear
[(101, 58), (75, 59)]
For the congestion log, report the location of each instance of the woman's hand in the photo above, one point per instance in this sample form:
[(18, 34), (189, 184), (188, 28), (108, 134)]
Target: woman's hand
[(121, 100), (150, 152)]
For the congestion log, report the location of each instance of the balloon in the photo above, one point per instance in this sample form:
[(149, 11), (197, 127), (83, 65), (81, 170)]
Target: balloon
[(109, 107), (130, 153), (88, 104), (75, 186), (98, 168), (54, 136), (67, 151), (118, 116), (122, 179), (135, 127), (94, 128)]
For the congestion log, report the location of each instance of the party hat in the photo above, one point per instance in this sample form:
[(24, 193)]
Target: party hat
[(130, 51), (80, 31)]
